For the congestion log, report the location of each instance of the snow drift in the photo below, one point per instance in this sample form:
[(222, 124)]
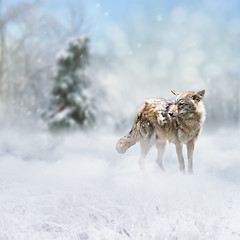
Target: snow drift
[(78, 187)]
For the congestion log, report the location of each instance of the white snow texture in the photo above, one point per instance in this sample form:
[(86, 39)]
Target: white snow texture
[(78, 187)]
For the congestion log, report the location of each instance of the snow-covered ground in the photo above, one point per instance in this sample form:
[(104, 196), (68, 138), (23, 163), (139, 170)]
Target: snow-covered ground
[(78, 187)]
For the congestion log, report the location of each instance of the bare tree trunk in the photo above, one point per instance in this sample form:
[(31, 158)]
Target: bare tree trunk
[(2, 46)]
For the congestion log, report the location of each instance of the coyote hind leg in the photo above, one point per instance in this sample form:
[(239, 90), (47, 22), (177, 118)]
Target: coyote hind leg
[(146, 144), (161, 146)]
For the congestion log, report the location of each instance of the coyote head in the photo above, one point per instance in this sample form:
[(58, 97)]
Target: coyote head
[(186, 102)]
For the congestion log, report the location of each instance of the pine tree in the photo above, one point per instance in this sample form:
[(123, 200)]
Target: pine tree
[(71, 105)]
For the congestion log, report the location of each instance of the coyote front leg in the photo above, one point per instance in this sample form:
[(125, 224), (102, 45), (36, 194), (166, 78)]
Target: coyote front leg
[(161, 145), (190, 148), (180, 157)]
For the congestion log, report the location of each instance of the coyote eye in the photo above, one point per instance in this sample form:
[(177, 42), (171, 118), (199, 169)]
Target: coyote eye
[(181, 103)]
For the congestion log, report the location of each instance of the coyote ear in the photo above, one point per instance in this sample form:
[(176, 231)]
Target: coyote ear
[(199, 95), (175, 93)]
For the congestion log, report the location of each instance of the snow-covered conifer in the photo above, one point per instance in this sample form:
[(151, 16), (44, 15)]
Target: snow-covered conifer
[(71, 104)]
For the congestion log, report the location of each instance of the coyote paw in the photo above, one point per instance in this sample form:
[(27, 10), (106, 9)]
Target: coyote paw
[(142, 166)]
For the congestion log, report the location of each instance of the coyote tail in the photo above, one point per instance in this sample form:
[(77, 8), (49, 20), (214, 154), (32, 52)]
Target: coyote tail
[(128, 140)]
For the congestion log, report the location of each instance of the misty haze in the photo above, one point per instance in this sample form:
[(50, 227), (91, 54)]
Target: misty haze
[(72, 76)]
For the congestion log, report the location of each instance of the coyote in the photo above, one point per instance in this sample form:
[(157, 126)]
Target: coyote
[(159, 120)]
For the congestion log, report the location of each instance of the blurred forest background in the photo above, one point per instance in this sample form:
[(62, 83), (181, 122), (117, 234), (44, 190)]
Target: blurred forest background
[(90, 64)]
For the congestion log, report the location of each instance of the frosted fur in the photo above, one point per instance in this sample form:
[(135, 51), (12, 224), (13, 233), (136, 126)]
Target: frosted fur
[(158, 121)]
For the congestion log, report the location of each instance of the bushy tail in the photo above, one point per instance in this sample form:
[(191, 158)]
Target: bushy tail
[(128, 140)]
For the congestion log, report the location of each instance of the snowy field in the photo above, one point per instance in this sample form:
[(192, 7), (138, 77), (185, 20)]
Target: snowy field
[(78, 187)]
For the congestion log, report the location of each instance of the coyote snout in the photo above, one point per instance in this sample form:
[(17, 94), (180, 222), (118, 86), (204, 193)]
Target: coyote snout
[(173, 111), (158, 121)]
